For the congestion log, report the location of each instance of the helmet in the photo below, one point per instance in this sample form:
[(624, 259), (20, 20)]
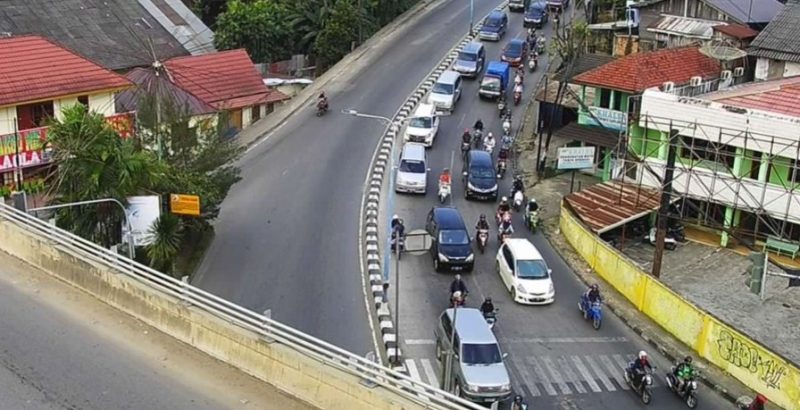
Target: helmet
[(595, 287), (488, 299), (761, 399), (642, 354), (458, 277), (446, 170), (518, 399), (483, 217), (489, 135), (687, 359), (504, 199), (466, 130), (395, 217), (457, 294)]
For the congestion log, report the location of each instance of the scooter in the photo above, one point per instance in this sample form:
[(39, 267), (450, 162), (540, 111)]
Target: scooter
[(532, 63), (477, 137), (532, 215), (503, 234), (444, 192), (676, 231), (394, 244), (483, 239), (518, 200), (643, 389), (507, 125), (517, 97), (464, 149), (458, 299), (322, 108), (689, 393), (540, 45), (501, 168), (488, 146), (491, 318), (669, 242), (501, 107), (591, 311)]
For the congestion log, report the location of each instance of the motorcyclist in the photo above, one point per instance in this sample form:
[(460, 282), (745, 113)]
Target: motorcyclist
[(505, 227), (502, 155), (518, 89), (322, 101), (445, 177), (684, 372), (639, 367), (593, 293), (478, 125), (466, 137), (397, 226), (487, 307), (489, 142), (518, 404), (503, 207), (482, 223), (518, 185), (458, 285), (506, 141), (758, 403)]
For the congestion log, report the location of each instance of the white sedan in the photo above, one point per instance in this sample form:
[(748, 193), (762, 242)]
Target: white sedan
[(525, 273)]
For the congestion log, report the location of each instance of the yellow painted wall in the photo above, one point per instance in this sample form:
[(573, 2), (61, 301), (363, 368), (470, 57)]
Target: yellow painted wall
[(751, 363)]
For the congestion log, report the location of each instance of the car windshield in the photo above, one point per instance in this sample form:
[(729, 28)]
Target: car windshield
[(481, 172), (480, 354), (514, 49), (463, 56), (421, 122), (493, 22), (453, 237), (491, 83), (535, 10), (440, 88), (416, 167), (532, 269)]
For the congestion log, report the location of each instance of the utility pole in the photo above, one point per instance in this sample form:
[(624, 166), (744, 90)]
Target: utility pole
[(471, 15), (540, 128), (17, 164), (397, 245), (666, 196)]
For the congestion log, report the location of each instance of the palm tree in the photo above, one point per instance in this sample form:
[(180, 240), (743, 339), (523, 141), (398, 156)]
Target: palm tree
[(308, 19), (166, 234)]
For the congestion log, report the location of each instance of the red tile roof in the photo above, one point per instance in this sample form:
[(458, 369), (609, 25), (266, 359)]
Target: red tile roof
[(225, 80), (638, 72), (737, 31), (780, 96), (33, 68)]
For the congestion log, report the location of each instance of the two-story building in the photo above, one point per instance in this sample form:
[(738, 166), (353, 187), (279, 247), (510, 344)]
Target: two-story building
[(617, 88), (737, 157), (40, 78), (777, 48)]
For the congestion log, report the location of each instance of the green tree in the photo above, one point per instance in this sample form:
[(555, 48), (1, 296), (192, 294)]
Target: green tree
[(94, 162), (260, 26), (166, 234), (337, 36)]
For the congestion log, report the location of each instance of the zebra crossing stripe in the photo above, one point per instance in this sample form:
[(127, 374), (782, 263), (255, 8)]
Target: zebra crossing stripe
[(587, 376), (615, 372), (563, 364), (600, 374), (413, 371), (542, 376), (557, 379), (527, 381), (430, 374)]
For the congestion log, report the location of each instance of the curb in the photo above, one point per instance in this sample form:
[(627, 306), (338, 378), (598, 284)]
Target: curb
[(379, 168), (615, 307)]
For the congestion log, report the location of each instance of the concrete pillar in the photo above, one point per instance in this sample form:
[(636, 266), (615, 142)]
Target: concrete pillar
[(763, 168), (606, 164), (732, 214), (663, 146)]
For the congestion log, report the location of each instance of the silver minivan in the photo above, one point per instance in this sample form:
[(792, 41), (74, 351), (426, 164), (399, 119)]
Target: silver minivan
[(479, 372), (412, 170), (446, 91)]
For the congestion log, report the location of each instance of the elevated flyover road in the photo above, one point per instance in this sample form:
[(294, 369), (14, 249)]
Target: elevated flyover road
[(61, 348), (287, 236), (556, 359)]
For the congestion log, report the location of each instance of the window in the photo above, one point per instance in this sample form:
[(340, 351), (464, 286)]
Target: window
[(446, 325), (532, 269), (605, 98), (794, 172), (488, 353), (421, 122), (453, 237), (441, 88), (704, 150), (414, 167), (464, 56), (84, 99), (256, 113), (617, 104), (508, 256)]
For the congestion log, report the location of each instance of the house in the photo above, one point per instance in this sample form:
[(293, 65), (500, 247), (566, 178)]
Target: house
[(670, 23), (117, 34), (737, 166), (40, 78), (617, 88), (226, 83), (777, 48)]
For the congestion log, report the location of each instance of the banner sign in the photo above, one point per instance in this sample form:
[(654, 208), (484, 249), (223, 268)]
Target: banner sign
[(575, 157)]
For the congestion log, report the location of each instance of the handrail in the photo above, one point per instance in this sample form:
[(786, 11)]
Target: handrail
[(241, 317)]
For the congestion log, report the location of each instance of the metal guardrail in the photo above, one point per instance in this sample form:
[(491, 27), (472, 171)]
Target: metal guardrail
[(426, 396)]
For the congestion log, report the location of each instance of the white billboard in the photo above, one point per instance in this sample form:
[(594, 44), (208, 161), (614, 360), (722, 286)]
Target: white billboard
[(142, 212), (575, 157)]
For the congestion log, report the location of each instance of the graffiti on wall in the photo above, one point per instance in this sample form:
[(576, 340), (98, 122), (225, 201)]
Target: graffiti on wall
[(744, 355)]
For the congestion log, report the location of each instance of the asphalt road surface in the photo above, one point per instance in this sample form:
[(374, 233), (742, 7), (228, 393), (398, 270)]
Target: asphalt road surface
[(62, 349), (287, 236), (556, 359)]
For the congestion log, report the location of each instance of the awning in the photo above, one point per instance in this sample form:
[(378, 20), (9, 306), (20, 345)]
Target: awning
[(609, 205), (592, 135)]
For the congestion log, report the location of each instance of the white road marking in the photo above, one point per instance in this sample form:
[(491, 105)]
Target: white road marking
[(600, 373), (430, 374), (412, 370), (420, 342), (557, 378), (543, 340), (542, 376), (563, 364), (587, 376), (527, 380), (614, 371)]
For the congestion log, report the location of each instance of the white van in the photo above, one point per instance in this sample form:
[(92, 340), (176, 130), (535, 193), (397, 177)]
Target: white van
[(412, 172), (446, 91), (423, 126)]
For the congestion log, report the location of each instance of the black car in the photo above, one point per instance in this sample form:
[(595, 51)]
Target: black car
[(451, 242), (514, 52), (536, 15), (480, 180)]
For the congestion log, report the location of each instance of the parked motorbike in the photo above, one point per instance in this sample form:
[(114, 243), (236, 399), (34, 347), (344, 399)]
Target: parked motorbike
[(540, 45), (518, 199), (643, 388), (491, 318), (444, 192), (591, 311), (676, 231), (458, 299), (669, 242), (689, 393), (483, 239), (751, 403)]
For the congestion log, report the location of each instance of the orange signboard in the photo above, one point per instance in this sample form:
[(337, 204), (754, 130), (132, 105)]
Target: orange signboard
[(184, 204)]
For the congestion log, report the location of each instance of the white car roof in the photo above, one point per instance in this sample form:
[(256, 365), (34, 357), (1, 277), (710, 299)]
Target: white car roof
[(523, 249), (425, 110)]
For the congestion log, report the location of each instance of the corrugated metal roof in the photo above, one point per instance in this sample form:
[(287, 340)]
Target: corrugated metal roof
[(779, 96), (737, 31), (593, 135), (148, 83), (611, 204), (684, 27), (779, 40), (749, 11), (33, 68)]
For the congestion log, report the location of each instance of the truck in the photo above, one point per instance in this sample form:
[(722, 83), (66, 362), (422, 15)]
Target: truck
[(495, 80), (518, 5)]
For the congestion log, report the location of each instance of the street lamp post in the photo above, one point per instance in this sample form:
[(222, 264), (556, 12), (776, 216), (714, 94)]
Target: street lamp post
[(131, 247), (471, 15)]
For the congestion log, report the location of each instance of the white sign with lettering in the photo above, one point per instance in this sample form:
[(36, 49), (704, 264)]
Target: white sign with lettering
[(575, 157)]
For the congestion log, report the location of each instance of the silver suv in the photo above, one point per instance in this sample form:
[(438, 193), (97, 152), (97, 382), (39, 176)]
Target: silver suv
[(478, 371)]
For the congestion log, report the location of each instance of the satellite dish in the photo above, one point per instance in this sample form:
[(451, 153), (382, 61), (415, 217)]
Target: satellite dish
[(722, 50)]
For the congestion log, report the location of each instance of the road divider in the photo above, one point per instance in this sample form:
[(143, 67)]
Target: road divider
[(370, 225), (714, 340)]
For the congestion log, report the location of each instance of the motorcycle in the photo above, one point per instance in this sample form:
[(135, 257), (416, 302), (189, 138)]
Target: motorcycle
[(540, 45), (518, 200), (491, 318), (677, 232), (444, 192), (464, 149), (532, 215), (669, 242), (500, 216), (394, 243), (532, 63), (689, 393), (591, 311), (458, 299), (517, 97), (477, 137), (322, 108), (643, 388), (501, 107), (749, 403), (501, 168), (518, 79), (488, 145), (507, 125), (503, 234), (483, 239)]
